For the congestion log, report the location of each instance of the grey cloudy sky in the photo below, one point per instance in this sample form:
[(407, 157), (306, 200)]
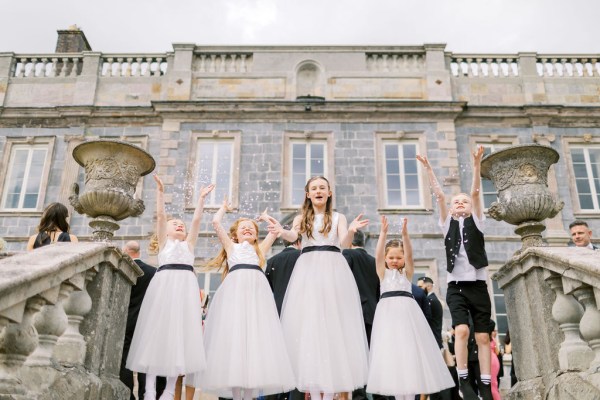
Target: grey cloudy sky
[(466, 26)]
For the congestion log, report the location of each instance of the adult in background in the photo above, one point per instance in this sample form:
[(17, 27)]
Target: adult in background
[(280, 267), (132, 248), (53, 227), (581, 234), (362, 265)]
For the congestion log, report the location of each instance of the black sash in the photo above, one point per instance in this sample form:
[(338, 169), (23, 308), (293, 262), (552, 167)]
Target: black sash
[(396, 293), (320, 248), (176, 267), (245, 266)]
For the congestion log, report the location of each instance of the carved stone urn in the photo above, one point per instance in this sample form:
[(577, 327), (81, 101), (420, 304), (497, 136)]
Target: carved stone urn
[(520, 174), (112, 171)]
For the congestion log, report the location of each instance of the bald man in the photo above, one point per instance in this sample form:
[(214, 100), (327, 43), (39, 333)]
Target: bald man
[(132, 249)]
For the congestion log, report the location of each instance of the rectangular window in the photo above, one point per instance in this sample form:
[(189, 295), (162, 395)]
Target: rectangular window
[(25, 176), (214, 158), (307, 159), (488, 190), (214, 164), (586, 168), (401, 169), (500, 311)]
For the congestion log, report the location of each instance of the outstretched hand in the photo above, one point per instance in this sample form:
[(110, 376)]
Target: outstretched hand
[(424, 161), (358, 223), (159, 183), (478, 154), (384, 225), (226, 206), (264, 216), (205, 190), (404, 226)]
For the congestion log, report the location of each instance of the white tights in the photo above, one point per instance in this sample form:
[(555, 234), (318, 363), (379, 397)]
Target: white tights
[(237, 394), (405, 397), (316, 395), (151, 387)]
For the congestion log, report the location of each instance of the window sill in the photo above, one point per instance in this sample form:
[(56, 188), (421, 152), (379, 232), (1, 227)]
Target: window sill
[(413, 211)]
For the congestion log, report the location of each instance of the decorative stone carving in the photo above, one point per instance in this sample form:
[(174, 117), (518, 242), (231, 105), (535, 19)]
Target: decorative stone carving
[(112, 169), (520, 174)]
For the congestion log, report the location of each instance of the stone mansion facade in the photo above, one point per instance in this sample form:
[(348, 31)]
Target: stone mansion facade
[(259, 120)]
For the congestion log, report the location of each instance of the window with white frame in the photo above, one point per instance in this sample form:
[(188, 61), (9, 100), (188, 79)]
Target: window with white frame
[(213, 159), (488, 190), (401, 171), (307, 159), (586, 168), (499, 311), (25, 177)]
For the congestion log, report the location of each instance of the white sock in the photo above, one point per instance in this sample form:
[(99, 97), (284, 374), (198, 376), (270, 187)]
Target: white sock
[(315, 395), (405, 397), (486, 379), (328, 396), (151, 383), (248, 394), (171, 382), (237, 393)]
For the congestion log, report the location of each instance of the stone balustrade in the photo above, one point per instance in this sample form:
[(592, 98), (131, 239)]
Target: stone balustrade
[(484, 66), (46, 66), (552, 296), (395, 62), (568, 66), (133, 65), (221, 62), (63, 312)]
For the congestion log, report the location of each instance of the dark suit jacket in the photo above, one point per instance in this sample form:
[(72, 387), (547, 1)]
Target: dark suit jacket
[(421, 298), (437, 317), (135, 300), (278, 272), (362, 265)]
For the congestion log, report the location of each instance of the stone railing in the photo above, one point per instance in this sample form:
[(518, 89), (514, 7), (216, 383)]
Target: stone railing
[(236, 62), (63, 312), (484, 66), (46, 66), (568, 66), (552, 297), (395, 62), (133, 65)]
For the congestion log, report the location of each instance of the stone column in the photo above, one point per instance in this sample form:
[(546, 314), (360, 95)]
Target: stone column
[(179, 74), (439, 86), (87, 81), (6, 61), (533, 85)]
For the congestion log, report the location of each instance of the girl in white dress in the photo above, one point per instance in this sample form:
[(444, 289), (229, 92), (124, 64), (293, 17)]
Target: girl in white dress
[(167, 340), (405, 359), (245, 350), (321, 313)]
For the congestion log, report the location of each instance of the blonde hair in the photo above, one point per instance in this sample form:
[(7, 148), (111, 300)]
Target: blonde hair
[(394, 244), (308, 212), (220, 261), (153, 246)]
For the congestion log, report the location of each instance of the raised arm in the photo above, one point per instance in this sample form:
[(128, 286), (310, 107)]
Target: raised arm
[(380, 249), (436, 189), (268, 241), (195, 227), (218, 226), (346, 233), (291, 235), (476, 187), (161, 215), (409, 266)]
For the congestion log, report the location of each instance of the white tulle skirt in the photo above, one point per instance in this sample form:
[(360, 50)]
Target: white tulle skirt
[(243, 339), (404, 358), (323, 325), (168, 335)]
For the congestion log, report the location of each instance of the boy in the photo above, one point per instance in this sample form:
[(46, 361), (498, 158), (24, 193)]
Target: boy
[(466, 259)]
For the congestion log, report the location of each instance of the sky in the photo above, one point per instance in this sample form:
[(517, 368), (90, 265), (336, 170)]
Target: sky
[(465, 26)]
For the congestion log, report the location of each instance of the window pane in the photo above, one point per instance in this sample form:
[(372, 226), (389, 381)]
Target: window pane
[(585, 202), (412, 198), (201, 277), (394, 198), (391, 152), (316, 167), (299, 150), (583, 186), (410, 166), (577, 155), (393, 182), (392, 167), (299, 166), (412, 182), (580, 170), (409, 151), (500, 305), (317, 151)]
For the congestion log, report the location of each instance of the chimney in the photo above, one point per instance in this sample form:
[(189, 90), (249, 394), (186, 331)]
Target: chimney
[(72, 40)]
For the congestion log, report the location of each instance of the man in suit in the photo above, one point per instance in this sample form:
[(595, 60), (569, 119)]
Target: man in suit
[(435, 322), (581, 234), (437, 312), (279, 269), (132, 248)]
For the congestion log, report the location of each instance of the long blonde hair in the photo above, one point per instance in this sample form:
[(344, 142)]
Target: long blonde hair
[(220, 261), (308, 212), (153, 246)]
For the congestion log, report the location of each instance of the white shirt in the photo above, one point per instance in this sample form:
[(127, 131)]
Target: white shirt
[(463, 270)]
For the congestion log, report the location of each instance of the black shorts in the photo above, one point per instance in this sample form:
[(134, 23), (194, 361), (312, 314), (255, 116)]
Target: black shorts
[(472, 298)]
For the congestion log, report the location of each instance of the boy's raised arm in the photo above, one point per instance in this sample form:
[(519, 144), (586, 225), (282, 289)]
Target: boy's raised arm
[(476, 187), (436, 189)]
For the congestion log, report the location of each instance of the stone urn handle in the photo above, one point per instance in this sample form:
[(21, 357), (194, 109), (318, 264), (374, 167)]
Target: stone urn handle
[(74, 198)]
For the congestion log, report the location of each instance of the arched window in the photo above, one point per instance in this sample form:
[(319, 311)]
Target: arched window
[(308, 80)]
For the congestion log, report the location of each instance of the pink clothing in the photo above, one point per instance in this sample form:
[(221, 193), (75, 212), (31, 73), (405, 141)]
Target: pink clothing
[(495, 370)]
